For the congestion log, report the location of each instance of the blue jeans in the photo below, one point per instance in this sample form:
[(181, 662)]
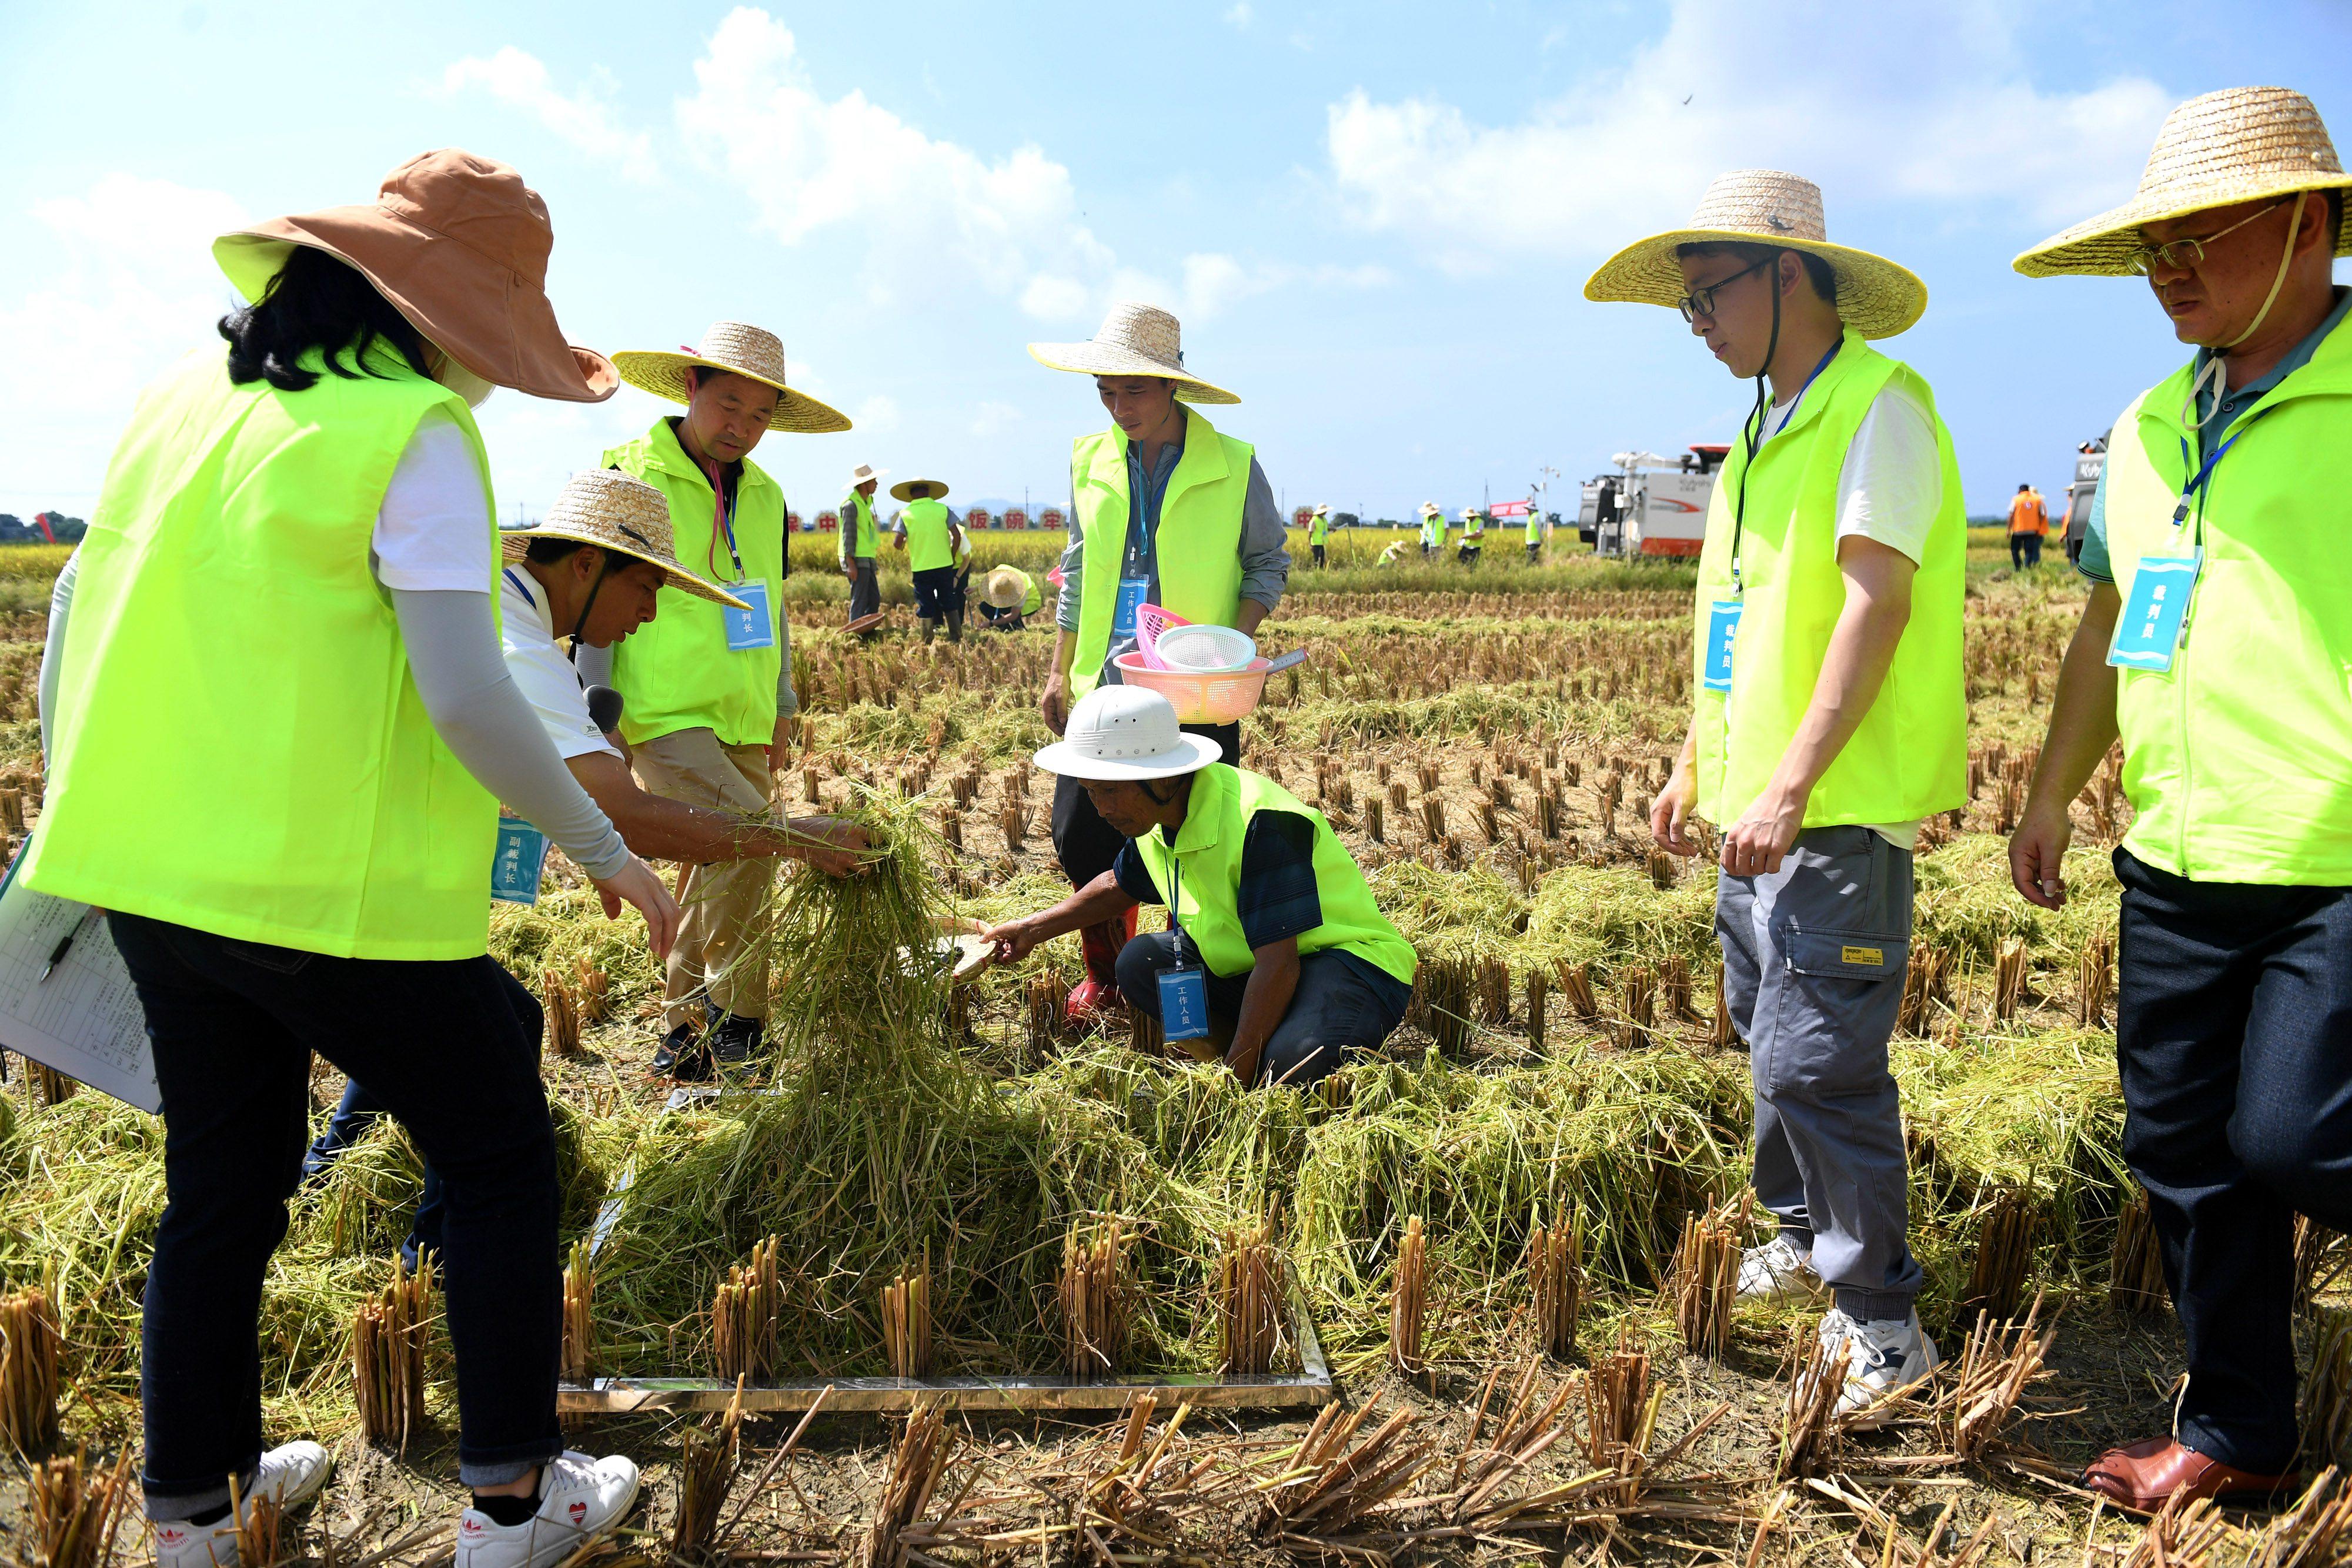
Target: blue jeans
[(452, 1047), (1341, 1003), (2233, 1032)]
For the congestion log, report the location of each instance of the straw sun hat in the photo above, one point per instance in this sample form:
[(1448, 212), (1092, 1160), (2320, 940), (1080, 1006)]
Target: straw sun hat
[(1133, 341), (742, 349), (458, 244), (2245, 145), (918, 489), (1005, 588), (1762, 207), (864, 474), (1432, 510), (605, 506)]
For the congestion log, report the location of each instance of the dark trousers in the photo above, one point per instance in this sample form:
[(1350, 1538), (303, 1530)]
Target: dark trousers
[(935, 593), (998, 620), (2234, 1031), (1082, 842), (865, 588), (1335, 1007), (354, 1117), (1319, 553), (452, 1050), (2024, 551)]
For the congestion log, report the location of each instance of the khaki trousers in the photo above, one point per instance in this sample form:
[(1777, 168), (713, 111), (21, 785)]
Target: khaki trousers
[(722, 947)]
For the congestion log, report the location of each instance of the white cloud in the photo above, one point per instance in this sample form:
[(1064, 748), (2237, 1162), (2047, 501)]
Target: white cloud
[(1240, 16), (937, 212), (585, 119), (994, 419), (876, 413), (1729, 85)]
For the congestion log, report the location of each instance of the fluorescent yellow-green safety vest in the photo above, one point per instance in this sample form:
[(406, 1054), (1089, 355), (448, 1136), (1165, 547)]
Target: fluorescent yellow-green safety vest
[(1535, 527), (1207, 863), (929, 544), (858, 540), (2238, 761), (1318, 528), (1033, 598), (677, 672), (1474, 528), (1910, 758), (1197, 550), (239, 745)]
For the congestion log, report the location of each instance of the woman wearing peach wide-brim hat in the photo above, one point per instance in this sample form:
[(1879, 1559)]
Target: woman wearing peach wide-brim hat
[(2223, 494), (285, 594)]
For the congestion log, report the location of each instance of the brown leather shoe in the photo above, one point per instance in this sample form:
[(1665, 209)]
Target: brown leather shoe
[(2143, 1477)]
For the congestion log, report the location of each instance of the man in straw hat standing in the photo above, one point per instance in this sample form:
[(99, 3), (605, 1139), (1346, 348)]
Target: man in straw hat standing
[(933, 538), (709, 688), (1170, 511), (1318, 530), (1474, 535), (861, 542), (2215, 645), (1828, 720), (285, 589), (1433, 528)]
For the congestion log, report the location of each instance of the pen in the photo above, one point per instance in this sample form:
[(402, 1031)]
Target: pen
[(56, 954)]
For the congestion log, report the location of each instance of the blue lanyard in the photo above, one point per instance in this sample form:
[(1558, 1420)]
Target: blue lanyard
[(2194, 491), (520, 586), (717, 477), (1753, 436)]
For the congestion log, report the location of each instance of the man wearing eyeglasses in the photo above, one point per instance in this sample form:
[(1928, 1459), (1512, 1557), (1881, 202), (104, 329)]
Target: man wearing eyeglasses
[(1828, 720), (2217, 646)]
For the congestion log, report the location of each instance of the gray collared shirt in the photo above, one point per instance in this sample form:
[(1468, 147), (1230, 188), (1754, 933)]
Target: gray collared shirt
[(1266, 558)]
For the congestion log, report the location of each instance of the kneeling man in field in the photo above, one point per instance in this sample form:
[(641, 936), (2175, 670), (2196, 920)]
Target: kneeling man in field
[(1278, 962), (1829, 719)]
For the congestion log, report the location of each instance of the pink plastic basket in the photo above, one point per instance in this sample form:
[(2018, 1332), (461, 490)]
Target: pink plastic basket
[(1149, 622), (1200, 699)]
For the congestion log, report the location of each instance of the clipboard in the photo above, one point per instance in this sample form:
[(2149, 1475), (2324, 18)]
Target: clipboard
[(85, 1020)]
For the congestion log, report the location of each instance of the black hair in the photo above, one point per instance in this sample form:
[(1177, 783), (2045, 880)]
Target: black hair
[(2027, 486), (2335, 195), (316, 301), (547, 552), (1824, 278)]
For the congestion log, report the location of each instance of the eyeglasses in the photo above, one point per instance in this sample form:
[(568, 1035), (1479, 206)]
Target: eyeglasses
[(2183, 254), (1700, 302)]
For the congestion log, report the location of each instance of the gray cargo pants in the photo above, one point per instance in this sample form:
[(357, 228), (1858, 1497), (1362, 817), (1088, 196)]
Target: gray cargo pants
[(1812, 967)]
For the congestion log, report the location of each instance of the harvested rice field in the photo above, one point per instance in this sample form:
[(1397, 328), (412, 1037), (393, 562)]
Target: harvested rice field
[(1510, 1230)]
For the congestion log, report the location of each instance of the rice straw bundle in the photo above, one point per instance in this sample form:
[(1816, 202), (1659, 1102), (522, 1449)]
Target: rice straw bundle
[(1547, 815), (1013, 819), (46, 1085), (579, 1314), (919, 1461), (1493, 992), (594, 993), (706, 1467), (1373, 826), (1995, 1370), (1433, 818), (1704, 1282), (1248, 1301), (2095, 981), (1427, 772), (1810, 1432), (2004, 1255), (2135, 1268), (1097, 1302), (1675, 989), (261, 1527), (907, 1323), (562, 1014), (388, 1340), (2009, 983), (1637, 1017), (1620, 1411), (1662, 869), (744, 1317), (1489, 823), (1400, 801), (1575, 984), (1409, 1301), (1041, 1001), (1927, 981), (1722, 1033), (1556, 1280), (75, 1509), (29, 1343), (2319, 1259), (1538, 998)]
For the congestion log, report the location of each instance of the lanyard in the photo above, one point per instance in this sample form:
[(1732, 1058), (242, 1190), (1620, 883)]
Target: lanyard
[(1753, 436), (2193, 493), (724, 524)]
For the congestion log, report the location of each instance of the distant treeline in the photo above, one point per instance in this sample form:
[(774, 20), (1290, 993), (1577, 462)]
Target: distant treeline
[(14, 530)]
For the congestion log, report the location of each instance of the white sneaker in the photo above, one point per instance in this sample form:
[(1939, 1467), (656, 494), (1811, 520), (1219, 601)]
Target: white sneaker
[(1882, 1355), (1776, 1272), (289, 1476), (579, 1498)]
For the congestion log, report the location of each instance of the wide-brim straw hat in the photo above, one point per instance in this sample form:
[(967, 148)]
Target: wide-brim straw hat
[(1004, 589), (932, 489), (607, 508), (742, 350), (1133, 341), (864, 473), (459, 245), (1322, 511), (2244, 144), (1432, 510), (1763, 206)]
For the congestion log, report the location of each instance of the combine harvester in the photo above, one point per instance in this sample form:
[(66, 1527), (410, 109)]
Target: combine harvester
[(1652, 506)]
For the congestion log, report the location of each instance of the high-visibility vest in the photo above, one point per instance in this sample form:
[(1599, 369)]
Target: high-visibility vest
[(677, 672), (1433, 528), (1207, 877), (929, 544), (1908, 758), (1474, 528), (239, 746), (2027, 514), (1033, 598), (1318, 528), (858, 536), (2238, 761), (1535, 527), (1197, 549)]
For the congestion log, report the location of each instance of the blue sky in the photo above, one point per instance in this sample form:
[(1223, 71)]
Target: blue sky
[(1375, 220)]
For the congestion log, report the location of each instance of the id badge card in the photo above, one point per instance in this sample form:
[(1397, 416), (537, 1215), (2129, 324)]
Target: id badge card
[(1132, 591), (521, 858), (1722, 630), (1183, 1004), (748, 629), (2147, 635)]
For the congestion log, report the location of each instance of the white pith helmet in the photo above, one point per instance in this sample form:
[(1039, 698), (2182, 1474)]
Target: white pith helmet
[(1117, 733)]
